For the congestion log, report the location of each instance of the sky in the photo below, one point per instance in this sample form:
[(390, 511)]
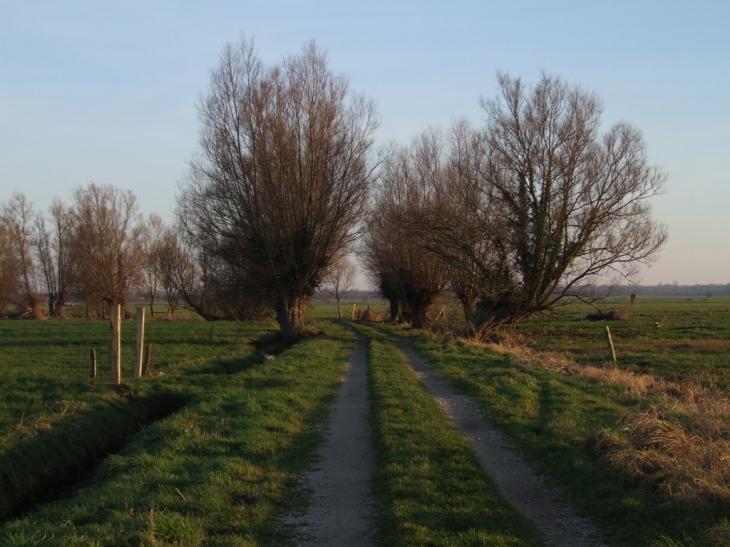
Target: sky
[(105, 92)]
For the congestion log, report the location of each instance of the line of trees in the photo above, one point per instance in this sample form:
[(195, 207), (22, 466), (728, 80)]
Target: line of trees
[(89, 250), (99, 250), (537, 205)]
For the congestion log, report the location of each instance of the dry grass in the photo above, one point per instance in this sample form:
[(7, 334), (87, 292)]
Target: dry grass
[(680, 452), (692, 393), (679, 448), (369, 315)]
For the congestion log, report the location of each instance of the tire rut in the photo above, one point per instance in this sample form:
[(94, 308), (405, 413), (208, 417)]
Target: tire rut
[(342, 509), (523, 488)]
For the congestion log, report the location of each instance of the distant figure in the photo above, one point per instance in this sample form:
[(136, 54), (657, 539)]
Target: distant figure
[(633, 297)]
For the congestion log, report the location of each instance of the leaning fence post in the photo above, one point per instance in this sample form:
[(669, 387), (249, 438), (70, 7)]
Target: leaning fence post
[(139, 348), (353, 312), (609, 343), (115, 353), (92, 355), (147, 364)]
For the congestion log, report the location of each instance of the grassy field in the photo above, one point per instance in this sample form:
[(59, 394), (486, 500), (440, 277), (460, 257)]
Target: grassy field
[(691, 342), (641, 445), (45, 364), (207, 450), (219, 471), (428, 484)]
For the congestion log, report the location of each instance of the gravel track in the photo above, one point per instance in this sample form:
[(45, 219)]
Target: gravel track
[(525, 490), (342, 508)]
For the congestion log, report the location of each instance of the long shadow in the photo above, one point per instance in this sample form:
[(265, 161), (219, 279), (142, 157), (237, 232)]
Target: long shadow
[(56, 464)]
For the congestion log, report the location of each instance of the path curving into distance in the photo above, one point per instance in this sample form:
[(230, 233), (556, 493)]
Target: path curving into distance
[(342, 509), (560, 524)]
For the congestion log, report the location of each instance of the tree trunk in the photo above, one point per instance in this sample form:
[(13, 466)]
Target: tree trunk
[(51, 306), (339, 310), (60, 303), (468, 306), (419, 313), (489, 318), (290, 316), (35, 308), (152, 307), (395, 310)]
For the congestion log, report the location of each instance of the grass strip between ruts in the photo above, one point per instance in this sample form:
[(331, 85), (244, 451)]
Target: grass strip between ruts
[(428, 484), (547, 416), (221, 471)]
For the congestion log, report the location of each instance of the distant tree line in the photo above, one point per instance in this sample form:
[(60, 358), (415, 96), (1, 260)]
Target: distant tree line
[(536, 205), (97, 250), (670, 290)]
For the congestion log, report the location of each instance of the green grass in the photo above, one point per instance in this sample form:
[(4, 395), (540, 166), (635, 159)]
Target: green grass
[(222, 470), (547, 416), (692, 342), (429, 487), (329, 311), (44, 365)]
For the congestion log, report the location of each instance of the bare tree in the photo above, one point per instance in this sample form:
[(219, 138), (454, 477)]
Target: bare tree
[(341, 279), (558, 206), (106, 243), (283, 175), (377, 255), (17, 218), (152, 234), (448, 223), (54, 251), (206, 284), (9, 270), (179, 271), (397, 251)]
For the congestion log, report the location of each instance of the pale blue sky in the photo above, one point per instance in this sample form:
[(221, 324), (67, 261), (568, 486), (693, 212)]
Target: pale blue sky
[(105, 91)]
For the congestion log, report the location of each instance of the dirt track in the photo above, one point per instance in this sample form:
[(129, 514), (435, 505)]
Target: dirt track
[(560, 524), (341, 513), (342, 510)]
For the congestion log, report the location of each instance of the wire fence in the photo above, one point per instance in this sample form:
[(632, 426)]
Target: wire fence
[(92, 361)]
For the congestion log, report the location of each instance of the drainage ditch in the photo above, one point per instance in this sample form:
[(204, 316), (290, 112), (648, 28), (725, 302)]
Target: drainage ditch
[(57, 464)]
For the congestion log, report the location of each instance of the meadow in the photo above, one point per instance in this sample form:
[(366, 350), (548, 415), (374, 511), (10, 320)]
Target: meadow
[(641, 445), (207, 450)]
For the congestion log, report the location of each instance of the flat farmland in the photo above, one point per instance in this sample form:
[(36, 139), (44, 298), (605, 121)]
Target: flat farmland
[(679, 338), (208, 449), (45, 365), (641, 445)]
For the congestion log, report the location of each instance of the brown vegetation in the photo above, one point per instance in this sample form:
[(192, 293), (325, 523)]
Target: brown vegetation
[(283, 176), (395, 249), (678, 448), (368, 315), (609, 315)]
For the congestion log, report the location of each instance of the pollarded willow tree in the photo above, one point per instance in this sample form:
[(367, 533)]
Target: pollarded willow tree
[(283, 175), (558, 205), (396, 250)]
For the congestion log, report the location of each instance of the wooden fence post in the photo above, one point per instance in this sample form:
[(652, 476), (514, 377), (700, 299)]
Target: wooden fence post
[(115, 350), (353, 311), (609, 343), (210, 338), (93, 363), (238, 336), (147, 364), (139, 347)]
